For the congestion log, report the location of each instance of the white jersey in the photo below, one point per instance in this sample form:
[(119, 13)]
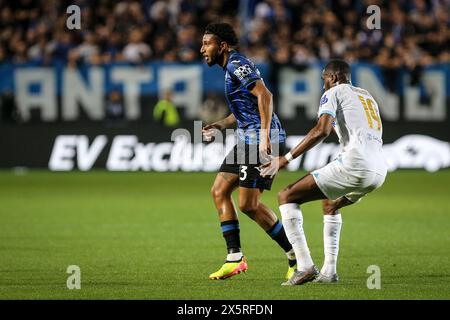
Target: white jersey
[(358, 126)]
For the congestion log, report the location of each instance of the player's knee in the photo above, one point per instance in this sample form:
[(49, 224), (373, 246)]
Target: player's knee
[(284, 197), (218, 193), (287, 196), (248, 206)]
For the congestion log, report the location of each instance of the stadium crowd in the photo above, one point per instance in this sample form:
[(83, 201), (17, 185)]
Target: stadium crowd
[(413, 32)]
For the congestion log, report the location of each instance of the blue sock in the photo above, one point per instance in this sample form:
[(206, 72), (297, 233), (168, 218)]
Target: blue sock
[(276, 232), (230, 231)]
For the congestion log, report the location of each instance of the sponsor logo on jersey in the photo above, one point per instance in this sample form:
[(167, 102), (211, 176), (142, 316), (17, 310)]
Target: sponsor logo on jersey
[(242, 71), (323, 100)]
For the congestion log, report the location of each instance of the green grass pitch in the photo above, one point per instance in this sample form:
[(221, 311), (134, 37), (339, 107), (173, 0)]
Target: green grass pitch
[(157, 236)]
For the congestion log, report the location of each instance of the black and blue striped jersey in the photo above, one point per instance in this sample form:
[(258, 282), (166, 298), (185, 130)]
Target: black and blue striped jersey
[(240, 74)]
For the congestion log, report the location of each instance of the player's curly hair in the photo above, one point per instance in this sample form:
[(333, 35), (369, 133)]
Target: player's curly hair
[(224, 32)]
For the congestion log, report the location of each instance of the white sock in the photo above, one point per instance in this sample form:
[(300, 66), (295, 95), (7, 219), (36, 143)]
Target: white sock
[(331, 232), (236, 256), (293, 225)]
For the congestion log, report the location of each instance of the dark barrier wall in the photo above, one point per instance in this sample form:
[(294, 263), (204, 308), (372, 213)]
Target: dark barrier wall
[(31, 145), (147, 146)]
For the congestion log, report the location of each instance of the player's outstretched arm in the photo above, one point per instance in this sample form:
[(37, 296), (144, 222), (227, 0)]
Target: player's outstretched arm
[(222, 124), (208, 130), (316, 135)]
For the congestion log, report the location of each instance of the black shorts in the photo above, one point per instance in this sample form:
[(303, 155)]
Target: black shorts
[(244, 160)]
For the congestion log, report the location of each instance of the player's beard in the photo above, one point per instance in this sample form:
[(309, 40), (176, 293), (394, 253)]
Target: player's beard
[(211, 62), (216, 59)]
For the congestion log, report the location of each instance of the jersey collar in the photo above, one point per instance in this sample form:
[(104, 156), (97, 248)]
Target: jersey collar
[(232, 52)]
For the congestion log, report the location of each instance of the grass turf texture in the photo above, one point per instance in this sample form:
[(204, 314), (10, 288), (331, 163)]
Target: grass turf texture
[(157, 236)]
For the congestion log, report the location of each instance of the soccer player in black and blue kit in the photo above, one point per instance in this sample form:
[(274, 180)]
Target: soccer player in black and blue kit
[(260, 134)]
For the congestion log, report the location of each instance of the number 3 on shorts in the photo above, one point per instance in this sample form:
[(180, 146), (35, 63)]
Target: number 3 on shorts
[(244, 172)]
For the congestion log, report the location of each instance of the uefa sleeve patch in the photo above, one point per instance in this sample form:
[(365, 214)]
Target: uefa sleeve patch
[(324, 100)]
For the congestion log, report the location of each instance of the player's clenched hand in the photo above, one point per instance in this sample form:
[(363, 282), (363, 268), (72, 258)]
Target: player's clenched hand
[(271, 168), (265, 150), (209, 131)]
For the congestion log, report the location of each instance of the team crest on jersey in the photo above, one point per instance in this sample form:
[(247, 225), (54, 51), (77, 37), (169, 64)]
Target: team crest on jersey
[(324, 100)]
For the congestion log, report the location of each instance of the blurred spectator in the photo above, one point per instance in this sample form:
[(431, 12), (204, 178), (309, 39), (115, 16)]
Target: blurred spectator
[(165, 111), (188, 44), (64, 43), (41, 51), (136, 50), (88, 48), (113, 48), (114, 106)]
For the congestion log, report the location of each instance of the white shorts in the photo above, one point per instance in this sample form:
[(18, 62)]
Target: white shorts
[(336, 180)]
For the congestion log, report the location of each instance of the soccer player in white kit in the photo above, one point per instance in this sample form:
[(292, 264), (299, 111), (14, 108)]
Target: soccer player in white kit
[(359, 169)]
